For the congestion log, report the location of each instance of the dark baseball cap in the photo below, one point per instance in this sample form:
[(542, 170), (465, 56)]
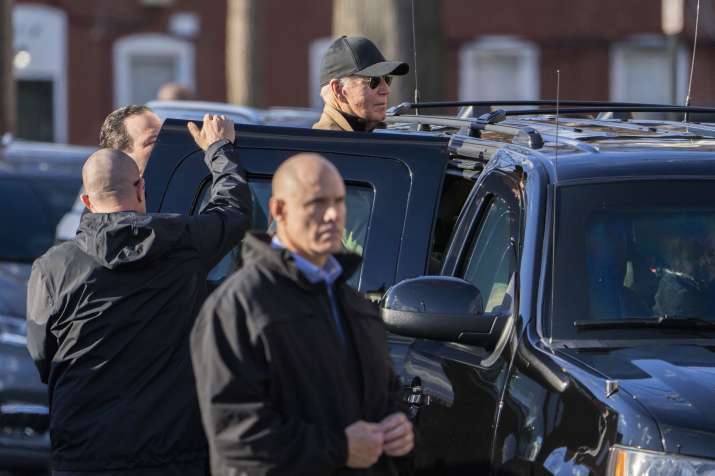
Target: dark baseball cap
[(357, 55)]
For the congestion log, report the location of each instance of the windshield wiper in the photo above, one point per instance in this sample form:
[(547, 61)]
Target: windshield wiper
[(661, 322)]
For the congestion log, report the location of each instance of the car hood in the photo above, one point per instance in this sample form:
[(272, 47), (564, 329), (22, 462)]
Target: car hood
[(674, 383), (13, 288)]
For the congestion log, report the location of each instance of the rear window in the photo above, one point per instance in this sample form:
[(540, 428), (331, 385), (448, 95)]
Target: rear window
[(359, 199)]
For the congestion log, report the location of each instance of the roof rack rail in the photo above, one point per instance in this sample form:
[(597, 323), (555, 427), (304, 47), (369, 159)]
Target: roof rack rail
[(406, 106), (595, 109), (522, 135)]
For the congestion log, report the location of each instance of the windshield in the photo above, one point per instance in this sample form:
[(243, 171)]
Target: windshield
[(636, 250), (33, 206)]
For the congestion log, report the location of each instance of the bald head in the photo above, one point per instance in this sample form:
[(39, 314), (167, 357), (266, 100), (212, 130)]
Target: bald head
[(308, 205), (112, 182), (301, 171)]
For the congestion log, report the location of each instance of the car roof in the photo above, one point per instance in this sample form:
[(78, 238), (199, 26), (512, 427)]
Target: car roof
[(43, 157), (19, 149), (290, 116), (579, 148), (195, 110), (29, 173)]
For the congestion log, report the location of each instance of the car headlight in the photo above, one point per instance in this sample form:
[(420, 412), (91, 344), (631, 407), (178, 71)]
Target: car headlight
[(630, 461), (13, 330)]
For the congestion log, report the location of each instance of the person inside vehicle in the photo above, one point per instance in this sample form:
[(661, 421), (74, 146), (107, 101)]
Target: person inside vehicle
[(687, 283), (607, 259), (355, 84), (133, 130)]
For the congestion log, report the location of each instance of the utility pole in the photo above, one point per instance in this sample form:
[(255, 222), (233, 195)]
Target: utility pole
[(7, 82), (244, 66), (388, 23)]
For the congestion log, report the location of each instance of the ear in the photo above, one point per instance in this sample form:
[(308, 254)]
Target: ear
[(140, 191), (276, 207), (85, 200), (337, 89)]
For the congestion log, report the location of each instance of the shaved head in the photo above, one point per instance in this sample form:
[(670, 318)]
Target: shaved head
[(301, 170), (110, 178), (308, 205)]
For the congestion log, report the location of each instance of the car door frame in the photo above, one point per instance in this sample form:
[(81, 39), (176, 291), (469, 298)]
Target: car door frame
[(413, 202), (451, 356)]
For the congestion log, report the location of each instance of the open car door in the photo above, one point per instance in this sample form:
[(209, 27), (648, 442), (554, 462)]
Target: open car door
[(393, 183)]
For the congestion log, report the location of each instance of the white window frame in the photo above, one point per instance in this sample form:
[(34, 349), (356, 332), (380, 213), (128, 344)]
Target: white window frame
[(618, 52), (485, 46), (55, 71), (316, 50), (150, 44)]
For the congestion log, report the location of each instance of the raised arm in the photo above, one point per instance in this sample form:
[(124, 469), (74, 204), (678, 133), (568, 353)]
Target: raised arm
[(226, 216)]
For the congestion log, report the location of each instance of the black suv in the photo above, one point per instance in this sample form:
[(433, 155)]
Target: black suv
[(567, 325)]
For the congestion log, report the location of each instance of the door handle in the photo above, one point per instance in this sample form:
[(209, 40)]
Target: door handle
[(415, 398)]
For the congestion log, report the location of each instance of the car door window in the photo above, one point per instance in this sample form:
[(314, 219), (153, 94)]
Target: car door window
[(358, 201), (490, 263)]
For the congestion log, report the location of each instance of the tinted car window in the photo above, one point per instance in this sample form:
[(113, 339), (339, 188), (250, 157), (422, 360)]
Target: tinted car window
[(490, 263), (358, 200), (37, 206), (635, 250)]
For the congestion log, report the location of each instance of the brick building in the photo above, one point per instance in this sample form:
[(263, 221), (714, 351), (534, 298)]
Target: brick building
[(78, 59)]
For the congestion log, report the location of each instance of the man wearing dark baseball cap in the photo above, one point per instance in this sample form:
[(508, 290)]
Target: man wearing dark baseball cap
[(355, 83)]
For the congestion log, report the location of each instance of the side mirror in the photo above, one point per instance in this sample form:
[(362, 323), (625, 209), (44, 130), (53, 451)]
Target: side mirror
[(441, 308)]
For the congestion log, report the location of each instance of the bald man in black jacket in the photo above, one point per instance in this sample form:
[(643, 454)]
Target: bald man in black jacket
[(291, 363), (109, 315)]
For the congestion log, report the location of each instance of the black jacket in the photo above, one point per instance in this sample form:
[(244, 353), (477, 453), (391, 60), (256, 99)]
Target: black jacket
[(109, 316), (276, 387)]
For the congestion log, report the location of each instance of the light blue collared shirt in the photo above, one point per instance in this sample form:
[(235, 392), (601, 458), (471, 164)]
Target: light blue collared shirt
[(328, 274)]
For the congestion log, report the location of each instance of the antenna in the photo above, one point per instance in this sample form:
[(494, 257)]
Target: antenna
[(414, 51), (692, 61), (553, 198), (558, 98)]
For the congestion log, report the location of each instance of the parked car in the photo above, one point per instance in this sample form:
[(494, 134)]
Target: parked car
[(44, 156), (69, 223), (195, 110), (290, 117), (570, 327), (34, 202)]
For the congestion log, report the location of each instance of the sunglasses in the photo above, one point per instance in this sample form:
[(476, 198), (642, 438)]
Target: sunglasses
[(374, 81)]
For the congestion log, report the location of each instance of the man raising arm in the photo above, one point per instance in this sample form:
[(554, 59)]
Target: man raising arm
[(110, 311)]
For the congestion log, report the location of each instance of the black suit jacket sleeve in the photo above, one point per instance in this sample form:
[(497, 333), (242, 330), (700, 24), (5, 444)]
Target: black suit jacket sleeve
[(226, 216), (244, 428)]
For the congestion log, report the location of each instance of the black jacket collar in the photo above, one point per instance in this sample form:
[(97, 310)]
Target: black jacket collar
[(257, 248)]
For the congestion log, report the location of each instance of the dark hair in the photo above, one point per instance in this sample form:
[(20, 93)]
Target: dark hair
[(113, 134)]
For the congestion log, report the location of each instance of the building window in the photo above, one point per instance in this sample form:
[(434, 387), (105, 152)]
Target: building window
[(642, 71), (40, 69), (143, 63), (498, 68), (316, 51)]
